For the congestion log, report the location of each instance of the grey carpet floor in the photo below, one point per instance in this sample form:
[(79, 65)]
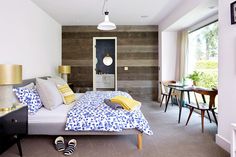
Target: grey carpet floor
[(170, 139)]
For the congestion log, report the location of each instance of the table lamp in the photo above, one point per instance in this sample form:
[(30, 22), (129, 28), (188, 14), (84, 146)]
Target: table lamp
[(9, 75), (64, 70)]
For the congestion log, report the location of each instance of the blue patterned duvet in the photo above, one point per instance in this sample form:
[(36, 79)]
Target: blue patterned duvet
[(90, 113)]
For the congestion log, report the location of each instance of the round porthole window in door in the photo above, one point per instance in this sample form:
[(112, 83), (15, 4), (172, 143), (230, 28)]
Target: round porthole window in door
[(107, 60)]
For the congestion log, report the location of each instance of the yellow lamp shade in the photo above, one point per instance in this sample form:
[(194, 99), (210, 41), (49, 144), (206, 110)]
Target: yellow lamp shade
[(64, 69), (10, 74)]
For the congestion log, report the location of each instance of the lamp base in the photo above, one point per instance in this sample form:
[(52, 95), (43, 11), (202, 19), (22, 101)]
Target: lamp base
[(6, 97), (64, 76)]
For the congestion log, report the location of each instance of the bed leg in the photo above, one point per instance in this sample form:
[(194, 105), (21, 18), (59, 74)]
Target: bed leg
[(140, 141)]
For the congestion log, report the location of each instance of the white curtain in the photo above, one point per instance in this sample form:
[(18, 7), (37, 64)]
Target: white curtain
[(183, 54)]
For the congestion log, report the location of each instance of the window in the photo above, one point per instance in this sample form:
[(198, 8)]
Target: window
[(203, 54)]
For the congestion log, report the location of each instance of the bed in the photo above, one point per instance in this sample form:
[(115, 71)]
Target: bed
[(53, 122)]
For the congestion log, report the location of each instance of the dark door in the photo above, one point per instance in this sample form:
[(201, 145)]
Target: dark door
[(105, 47)]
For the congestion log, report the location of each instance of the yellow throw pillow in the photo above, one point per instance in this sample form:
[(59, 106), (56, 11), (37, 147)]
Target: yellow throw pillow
[(67, 94), (127, 103)]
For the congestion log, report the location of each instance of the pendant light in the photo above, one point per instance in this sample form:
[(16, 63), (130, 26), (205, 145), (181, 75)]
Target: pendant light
[(106, 25)]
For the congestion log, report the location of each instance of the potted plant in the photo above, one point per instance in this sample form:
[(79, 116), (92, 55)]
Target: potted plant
[(195, 77)]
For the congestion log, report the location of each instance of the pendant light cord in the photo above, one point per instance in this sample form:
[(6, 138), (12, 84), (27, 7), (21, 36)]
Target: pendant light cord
[(103, 7)]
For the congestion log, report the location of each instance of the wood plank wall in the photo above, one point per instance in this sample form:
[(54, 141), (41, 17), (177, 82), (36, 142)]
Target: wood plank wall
[(137, 48)]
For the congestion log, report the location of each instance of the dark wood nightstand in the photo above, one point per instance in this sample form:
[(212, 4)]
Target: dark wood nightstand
[(13, 126)]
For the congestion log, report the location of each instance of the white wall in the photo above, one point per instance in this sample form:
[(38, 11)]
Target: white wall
[(227, 75), (166, 66), (169, 55), (28, 36)]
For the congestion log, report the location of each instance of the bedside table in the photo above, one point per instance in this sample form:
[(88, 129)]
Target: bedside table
[(13, 126)]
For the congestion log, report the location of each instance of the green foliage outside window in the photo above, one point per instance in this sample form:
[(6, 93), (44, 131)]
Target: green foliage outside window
[(206, 64), (206, 74), (209, 80)]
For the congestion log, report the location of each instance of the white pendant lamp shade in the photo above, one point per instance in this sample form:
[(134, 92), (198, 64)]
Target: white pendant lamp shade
[(106, 25)]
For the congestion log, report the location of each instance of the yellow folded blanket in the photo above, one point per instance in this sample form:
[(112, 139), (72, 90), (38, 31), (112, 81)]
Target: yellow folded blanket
[(127, 103)]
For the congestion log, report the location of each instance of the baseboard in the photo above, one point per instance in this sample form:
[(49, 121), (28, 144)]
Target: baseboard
[(223, 143)]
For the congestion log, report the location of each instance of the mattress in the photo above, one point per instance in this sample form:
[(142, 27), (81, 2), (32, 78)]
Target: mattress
[(52, 122), (49, 121)]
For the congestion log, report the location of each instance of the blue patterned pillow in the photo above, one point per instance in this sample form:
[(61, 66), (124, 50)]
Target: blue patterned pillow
[(29, 97)]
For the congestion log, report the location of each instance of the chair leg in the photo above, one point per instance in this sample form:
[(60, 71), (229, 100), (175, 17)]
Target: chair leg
[(209, 116), (172, 103), (176, 98), (190, 113), (188, 97), (202, 115), (168, 98), (162, 100), (214, 115)]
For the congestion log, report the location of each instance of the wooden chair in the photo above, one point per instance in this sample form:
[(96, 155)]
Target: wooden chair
[(164, 91), (204, 106)]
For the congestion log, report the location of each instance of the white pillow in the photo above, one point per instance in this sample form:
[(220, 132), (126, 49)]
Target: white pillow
[(28, 86), (49, 94), (57, 80)]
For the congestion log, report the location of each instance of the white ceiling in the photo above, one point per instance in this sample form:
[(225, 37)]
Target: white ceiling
[(203, 11), (122, 12)]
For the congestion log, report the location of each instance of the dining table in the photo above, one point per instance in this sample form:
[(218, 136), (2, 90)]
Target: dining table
[(182, 88)]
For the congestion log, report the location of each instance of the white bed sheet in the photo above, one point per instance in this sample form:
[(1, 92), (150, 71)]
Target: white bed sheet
[(57, 115)]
